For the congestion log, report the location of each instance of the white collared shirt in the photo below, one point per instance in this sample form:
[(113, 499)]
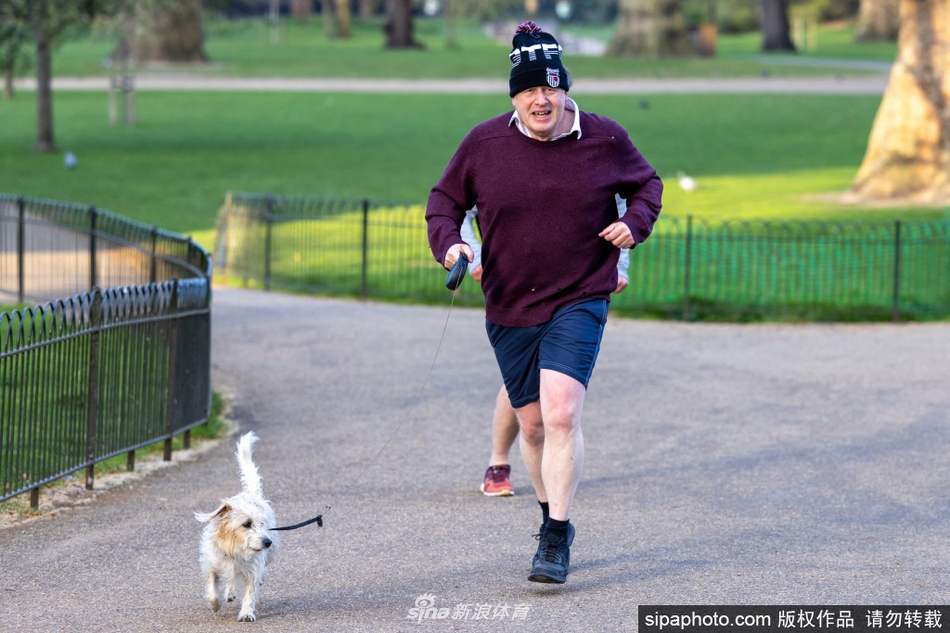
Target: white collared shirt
[(568, 105)]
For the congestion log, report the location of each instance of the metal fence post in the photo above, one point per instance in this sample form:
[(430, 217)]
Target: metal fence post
[(223, 229), (895, 309), (364, 263), (172, 381), (20, 247), (687, 266), (153, 264), (93, 215), (92, 398), (268, 221)]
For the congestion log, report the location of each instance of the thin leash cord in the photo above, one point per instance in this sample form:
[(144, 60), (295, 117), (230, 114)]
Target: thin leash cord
[(412, 408)]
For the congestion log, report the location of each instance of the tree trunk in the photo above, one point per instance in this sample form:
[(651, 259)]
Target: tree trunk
[(654, 28), (878, 20), (301, 9), (167, 31), (8, 84), (776, 31), (449, 14), (908, 154), (399, 25), (368, 8), (328, 14), (343, 22), (44, 94)]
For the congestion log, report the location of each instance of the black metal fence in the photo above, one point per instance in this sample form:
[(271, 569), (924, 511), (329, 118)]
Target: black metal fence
[(689, 269), (119, 354)]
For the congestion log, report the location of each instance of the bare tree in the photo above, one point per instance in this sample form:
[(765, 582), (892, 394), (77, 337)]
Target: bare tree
[(399, 26), (776, 30), (651, 27), (878, 20), (908, 154)]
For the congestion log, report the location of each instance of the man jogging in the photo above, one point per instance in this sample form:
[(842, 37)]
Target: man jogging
[(544, 179)]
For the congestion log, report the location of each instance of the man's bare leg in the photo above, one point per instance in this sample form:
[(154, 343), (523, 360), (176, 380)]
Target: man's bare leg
[(504, 429), (552, 445), (497, 482), (552, 442)]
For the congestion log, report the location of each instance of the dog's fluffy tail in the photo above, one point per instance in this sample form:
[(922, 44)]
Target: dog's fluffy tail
[(250, 478)]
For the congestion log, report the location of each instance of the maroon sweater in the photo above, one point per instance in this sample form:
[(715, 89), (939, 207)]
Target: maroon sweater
[(541, 205)]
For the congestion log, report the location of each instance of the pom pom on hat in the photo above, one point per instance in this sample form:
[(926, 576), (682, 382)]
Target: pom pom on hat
[(535, 60), (528, 27)]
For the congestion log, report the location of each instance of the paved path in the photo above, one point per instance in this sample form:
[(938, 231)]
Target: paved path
[(872, 84), (797, 464)]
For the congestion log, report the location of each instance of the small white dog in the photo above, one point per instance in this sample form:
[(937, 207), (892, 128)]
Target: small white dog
[(237, 542)]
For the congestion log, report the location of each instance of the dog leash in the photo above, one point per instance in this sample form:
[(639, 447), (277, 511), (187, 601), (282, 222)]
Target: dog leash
[(452, 282), (317, 519)]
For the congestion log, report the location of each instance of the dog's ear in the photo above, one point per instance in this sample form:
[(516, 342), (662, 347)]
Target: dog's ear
[(204, 517)]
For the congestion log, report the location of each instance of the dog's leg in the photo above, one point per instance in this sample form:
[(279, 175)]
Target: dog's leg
[(249, 603), (229, 593), (211, 590)]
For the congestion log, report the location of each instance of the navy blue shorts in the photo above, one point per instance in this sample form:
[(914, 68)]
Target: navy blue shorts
[(568, 344)]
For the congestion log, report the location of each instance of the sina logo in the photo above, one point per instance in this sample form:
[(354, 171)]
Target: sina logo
[(425, 609)]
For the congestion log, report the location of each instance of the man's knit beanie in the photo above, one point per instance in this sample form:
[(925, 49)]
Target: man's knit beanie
[(535, 60)]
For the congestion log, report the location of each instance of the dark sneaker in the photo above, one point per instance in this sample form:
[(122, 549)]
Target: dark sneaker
[(553, 557), (537, 537), (496, 482)]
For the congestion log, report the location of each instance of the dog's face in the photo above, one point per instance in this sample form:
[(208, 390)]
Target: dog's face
[(239, 527)]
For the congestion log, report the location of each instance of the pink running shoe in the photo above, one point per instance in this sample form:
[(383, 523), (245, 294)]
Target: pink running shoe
[(496, 482)]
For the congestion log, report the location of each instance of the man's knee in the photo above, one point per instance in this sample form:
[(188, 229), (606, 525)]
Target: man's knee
[(531, 423), (562, 418), (562, 399)]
